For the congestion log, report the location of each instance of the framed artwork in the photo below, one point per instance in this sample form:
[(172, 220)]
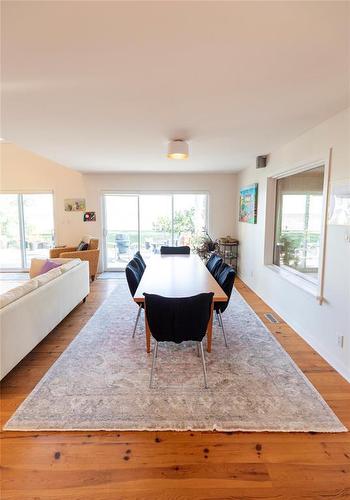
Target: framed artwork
[(90, 217), (248, 204), (74, 205)]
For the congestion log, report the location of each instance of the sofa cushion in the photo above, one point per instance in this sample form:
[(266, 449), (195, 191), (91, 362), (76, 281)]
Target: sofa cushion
[(17, 292), (82, 246), (69, 265), (35, 267), (49, 264), (42, 279)]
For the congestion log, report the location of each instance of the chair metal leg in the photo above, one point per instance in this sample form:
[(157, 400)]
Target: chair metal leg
[(218, 318), (203, 364), (223, 329), (198, 353), (155, 354), (137, 320)]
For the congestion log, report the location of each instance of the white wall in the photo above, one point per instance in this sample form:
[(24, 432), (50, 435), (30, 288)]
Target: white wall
[(319, 325), (22, 170)]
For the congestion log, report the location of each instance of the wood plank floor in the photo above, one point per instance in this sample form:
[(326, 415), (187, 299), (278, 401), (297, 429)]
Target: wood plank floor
[(170, 465)]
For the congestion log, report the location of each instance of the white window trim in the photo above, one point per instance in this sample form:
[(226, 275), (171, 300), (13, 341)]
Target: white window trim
[(291, 275)]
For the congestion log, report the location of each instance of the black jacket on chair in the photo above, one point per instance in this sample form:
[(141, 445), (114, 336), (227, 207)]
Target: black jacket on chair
[(178, 319), (174, 250)]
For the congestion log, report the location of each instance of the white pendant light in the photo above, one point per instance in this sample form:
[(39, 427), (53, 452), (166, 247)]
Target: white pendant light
[(178, 150)]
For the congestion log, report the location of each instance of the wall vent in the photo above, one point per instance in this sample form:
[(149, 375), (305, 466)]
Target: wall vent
[(271, 318)]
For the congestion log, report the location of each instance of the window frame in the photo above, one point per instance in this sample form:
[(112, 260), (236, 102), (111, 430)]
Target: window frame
[(19, 193), (293, 276)]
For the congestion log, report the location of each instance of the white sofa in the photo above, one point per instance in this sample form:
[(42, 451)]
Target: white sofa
[(30, 311)]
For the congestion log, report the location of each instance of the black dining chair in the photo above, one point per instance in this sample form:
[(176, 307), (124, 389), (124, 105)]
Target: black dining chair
[(164, 250), (220, 267), (140, 262), (225, 278), (133, 277), (139, 257), (178, 320), (214, 263)]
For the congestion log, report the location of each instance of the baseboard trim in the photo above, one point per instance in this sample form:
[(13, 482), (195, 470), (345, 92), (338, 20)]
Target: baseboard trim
[(317, 346)]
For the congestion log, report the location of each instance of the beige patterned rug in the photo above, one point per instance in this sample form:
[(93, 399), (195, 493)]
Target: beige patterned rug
[(101, 381)]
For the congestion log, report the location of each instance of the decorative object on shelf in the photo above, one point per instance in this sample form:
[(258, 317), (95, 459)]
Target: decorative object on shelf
[(90, 217), (228, 250), (75, 205), (248, 204), (206, 246)]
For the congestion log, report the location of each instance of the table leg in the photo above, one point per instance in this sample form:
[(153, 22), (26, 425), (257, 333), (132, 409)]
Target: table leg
[(148, 335), (210, 328)]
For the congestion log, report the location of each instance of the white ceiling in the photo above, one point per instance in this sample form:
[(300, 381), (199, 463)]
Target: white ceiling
[(102, 86)]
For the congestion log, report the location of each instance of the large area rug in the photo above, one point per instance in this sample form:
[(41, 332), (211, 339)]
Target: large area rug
[(101, 381)]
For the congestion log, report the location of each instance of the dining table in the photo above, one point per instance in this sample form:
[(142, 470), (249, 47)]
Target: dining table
[(176, 276)]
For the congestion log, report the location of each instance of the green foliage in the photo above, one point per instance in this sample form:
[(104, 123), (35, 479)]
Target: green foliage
[(290, 243), (293, 241), (205, 246), (183, 222)]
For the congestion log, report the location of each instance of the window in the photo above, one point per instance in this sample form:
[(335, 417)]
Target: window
[(145, 222), (26, 228), (298, 222)]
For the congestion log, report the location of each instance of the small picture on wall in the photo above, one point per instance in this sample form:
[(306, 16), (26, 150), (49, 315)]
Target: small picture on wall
[(90, 217), (248, 204), (75, 205)]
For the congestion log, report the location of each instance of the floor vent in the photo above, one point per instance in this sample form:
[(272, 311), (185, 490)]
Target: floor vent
[(271, 318)]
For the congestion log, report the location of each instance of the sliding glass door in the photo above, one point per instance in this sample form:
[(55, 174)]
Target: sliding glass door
[(121, 239), (145, 222), (10, 232), (27, 229), (155, 222)]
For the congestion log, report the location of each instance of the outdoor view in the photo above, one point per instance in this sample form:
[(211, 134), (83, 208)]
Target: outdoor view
[(26, 229), (299, 222), (148, 221)]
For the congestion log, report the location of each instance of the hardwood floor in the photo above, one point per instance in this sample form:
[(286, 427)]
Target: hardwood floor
[(173, 465)]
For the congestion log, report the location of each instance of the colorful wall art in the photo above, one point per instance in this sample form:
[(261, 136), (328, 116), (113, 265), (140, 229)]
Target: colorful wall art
[(248, 204), (75, 205), (90, 217)]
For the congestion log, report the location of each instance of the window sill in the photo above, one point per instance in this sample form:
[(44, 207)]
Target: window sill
[(307, 286)]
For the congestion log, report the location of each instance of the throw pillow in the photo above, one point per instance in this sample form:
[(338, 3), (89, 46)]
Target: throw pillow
[(36, 266), (49, 264), (82, 246)]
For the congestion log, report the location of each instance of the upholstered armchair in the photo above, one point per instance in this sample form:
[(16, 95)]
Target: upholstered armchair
[(92, 255)]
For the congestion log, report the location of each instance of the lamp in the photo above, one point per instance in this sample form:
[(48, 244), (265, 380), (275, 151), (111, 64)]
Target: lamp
[(178, 150)]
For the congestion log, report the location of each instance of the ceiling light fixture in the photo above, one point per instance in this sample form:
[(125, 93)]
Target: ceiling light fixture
[(178, 149)]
